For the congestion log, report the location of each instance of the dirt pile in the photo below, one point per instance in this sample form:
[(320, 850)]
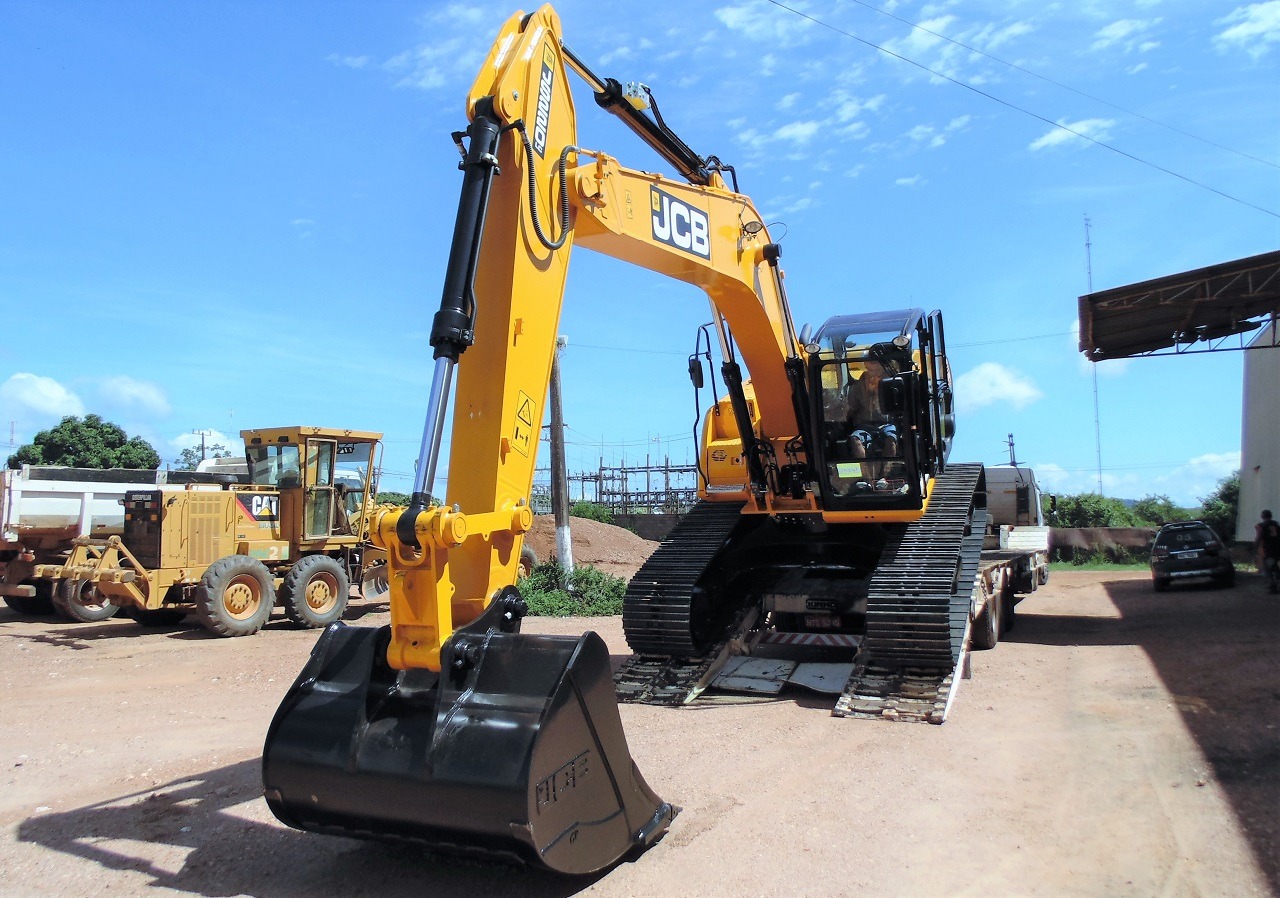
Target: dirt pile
[(603, 546)]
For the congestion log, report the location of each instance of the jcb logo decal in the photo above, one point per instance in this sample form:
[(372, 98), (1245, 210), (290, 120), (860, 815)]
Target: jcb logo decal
[(542, 121), (679, 225), (263, 508)]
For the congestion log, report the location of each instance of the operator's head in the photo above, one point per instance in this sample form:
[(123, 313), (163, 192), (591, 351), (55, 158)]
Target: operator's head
[(1266, 514), (873, 373)]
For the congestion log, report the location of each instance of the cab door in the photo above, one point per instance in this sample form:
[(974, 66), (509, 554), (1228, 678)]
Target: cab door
[(317, 508)]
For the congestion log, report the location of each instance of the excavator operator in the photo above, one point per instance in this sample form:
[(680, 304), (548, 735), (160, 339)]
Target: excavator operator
[(871, 434)]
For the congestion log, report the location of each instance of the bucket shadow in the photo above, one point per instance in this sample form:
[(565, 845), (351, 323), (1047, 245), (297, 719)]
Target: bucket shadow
[(197, 835)]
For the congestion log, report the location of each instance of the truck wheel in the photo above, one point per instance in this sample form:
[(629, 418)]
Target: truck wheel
[(1008, 612), (528, 561), (315, 591), (235, 596), (373, 582), (156, 617), (31, 606), (80, 601), (1159, 584), (986, 626)]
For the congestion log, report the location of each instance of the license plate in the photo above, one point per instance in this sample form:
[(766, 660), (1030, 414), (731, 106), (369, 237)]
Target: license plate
[(1187, 553)]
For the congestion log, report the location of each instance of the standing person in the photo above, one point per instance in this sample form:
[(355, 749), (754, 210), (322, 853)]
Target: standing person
[(1267, 542)]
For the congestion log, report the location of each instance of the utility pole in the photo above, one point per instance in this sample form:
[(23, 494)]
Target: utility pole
[(559, 474), (203, 434), (1097, 426), (1013, 456)]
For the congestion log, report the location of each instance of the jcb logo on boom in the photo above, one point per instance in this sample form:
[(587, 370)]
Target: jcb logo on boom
[(542, 120), (679, 225)]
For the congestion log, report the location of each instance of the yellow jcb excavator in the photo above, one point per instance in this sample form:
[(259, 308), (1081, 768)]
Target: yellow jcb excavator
[(451, 728)]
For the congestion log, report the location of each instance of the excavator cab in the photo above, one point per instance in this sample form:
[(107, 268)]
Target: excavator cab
[(881, 408)]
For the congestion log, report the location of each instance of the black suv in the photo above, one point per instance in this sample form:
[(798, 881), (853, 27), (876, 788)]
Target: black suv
[(1186, 550)]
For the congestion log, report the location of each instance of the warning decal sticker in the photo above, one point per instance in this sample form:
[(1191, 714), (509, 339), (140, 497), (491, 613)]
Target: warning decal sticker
[(523, 428)]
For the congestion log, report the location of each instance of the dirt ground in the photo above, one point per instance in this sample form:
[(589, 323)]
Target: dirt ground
[(1118, 743)]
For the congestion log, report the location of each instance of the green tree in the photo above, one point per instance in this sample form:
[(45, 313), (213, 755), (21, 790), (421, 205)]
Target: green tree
[(1220, 508), (402, 499), (1159, 510), (1089, 510), (86, 443), (189, 459), (592, 511)]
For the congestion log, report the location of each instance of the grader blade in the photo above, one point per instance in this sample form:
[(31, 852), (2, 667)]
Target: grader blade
[(515, 750)]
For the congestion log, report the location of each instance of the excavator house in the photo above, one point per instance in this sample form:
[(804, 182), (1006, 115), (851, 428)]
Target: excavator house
[(826, 500)]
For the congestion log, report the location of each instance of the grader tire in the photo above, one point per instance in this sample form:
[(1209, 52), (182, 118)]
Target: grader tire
[(315, 591), (80, 601), (235, 596)]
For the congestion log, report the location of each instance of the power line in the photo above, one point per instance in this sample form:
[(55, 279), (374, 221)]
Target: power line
[(1067, 87), (1028, 112)]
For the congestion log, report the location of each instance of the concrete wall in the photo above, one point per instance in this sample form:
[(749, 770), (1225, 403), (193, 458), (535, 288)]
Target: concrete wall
[(1260, 438)]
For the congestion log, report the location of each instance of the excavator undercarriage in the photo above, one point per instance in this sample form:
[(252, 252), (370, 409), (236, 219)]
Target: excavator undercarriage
[(902, 592)]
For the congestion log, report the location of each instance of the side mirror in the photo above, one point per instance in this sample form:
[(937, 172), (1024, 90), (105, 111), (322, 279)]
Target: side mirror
[(695, 372), (893, 395)]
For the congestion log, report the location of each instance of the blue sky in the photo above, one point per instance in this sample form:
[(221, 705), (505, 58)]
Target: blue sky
[(218, 216)]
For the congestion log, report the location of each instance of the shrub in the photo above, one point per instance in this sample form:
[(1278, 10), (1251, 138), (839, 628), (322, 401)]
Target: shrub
[(588, 592), (592, 511)]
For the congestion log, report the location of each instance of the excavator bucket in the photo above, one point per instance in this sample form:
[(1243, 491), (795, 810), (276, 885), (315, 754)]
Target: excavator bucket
[(515, 750)]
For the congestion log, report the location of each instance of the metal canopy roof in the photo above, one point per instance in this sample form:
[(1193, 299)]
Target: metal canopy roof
[(1205, 310)]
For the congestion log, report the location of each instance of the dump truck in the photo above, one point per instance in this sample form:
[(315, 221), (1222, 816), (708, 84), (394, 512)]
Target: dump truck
[(44, 508), (293, 531)]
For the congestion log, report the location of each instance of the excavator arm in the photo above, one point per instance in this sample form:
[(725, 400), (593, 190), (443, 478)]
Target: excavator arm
[(529, 195)]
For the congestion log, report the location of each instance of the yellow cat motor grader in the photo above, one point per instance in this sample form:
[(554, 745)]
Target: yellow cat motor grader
[(449, 727), (296, 532)]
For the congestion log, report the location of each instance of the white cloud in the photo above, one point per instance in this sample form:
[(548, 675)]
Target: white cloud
[(800, 132), (992, 383), (191, 440), (787, 102), (1074, 132), (1250, 28), (913, 181), (351, 62), (125, 392), (25, 396), (758, 20), (1127, 34), (992, 37), (460, 36)]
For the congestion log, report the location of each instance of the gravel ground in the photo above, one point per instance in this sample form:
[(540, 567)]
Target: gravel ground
[(1117, 743)]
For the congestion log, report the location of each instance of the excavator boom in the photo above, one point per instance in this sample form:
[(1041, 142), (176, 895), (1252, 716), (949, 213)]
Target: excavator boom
[(449, 727)]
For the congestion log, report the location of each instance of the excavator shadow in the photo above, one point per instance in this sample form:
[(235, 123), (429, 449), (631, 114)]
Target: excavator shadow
[(1213, 649), (212, 834)]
